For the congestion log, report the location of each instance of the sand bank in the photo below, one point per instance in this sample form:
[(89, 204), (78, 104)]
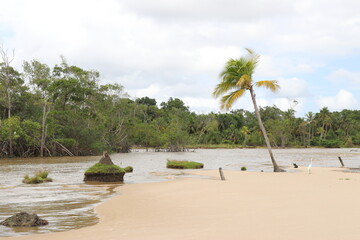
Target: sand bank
[(248, 205)]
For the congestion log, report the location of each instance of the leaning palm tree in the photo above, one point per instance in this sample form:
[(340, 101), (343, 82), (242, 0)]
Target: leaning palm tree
[(236, 79)]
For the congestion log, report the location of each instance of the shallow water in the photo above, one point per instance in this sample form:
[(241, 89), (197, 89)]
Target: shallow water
[(67, 202)]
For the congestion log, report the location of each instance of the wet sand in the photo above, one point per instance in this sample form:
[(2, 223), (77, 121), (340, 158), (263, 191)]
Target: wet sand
[(248, 205)]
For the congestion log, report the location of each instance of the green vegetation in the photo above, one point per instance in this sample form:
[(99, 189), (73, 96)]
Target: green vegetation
[(103, 168), (129, 169), (40, 177), (64, 110), (243, 169), (183, 164)]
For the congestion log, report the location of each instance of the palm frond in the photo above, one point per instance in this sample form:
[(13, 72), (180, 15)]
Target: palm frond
[(273, 85), (252, 60), (223, 87), (228, 100), (244, 81)]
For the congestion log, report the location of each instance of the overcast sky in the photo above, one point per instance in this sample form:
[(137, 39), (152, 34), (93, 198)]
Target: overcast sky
[(176, 48)]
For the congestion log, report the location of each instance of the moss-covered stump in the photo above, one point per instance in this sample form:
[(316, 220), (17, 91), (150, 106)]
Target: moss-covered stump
[(184, 164), (104, 173), (105, 159)]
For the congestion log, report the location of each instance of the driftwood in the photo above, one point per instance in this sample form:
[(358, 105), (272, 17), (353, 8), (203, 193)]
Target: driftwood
[(221, 174), (65, 149), (341, 161)]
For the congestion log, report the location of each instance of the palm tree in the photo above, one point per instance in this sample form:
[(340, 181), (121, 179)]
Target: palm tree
[(236, 79), (310, 117)]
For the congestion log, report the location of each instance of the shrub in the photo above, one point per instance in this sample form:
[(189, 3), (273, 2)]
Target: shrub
[(129, 169), (40, 177), (333, 143), (42, 174), (183, 164), (243, 169)]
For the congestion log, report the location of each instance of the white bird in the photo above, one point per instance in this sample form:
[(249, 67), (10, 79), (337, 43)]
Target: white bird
[(309, 167)]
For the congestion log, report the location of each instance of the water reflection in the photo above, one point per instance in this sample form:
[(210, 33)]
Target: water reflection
[(68, 202)]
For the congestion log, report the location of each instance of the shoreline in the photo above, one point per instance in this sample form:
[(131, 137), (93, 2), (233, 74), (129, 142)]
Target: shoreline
[(249, 205), (356, 149)]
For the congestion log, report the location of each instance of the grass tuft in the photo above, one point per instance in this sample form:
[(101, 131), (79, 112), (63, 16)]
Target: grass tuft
[(40, 177), (183, 164), (129, 169), (103, 168)]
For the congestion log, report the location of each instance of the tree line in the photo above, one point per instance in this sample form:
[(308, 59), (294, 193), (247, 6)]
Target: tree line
[(65, 110)]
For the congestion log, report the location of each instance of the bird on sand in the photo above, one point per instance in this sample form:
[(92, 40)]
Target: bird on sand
[(310, 165), (295, 165)]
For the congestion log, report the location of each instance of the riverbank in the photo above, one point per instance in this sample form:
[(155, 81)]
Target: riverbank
[(248, 205)]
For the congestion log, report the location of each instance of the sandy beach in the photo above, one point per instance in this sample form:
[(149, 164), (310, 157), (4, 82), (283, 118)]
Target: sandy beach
[(248, 205)]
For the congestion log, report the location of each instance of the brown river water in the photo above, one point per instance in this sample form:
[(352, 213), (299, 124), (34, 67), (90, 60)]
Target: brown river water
[(68, 203)]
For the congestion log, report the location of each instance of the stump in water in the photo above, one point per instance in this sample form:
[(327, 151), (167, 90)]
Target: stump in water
[(341, 161), (221, 174), (106, 159), (104, 171)]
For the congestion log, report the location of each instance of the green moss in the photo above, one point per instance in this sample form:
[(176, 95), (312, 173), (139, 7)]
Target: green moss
[(103, 168), (40, 177), (183, 164), (129, 169), (42, 174)]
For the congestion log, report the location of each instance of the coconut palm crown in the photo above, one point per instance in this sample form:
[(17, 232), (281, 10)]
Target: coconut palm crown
[(236, 79)]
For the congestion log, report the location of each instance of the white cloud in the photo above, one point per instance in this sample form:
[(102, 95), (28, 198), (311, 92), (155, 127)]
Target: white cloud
[(342, 100), (343, 75), (152, 91), (177, 48), (231, 10), (202, 105), (267, 67), (304, 68), (293, 88), (287, 103)]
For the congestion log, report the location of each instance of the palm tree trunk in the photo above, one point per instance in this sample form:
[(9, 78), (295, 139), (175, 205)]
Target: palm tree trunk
[(257, 113)]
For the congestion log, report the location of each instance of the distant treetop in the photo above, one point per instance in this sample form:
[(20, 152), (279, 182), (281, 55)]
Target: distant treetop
[(146, 101)]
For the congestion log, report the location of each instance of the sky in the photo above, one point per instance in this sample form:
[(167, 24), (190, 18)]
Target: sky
[(177, 48)]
